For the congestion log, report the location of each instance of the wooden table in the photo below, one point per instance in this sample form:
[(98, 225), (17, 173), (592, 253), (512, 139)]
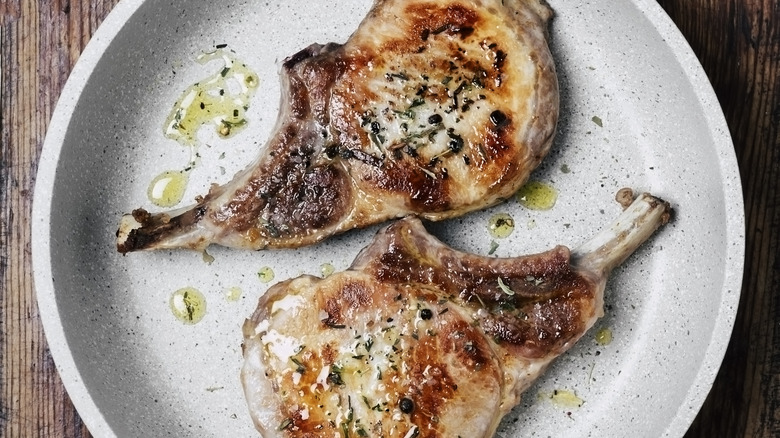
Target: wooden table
[(737, 41)]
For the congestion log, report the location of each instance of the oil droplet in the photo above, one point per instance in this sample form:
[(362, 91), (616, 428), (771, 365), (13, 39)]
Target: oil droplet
[(265, 274), (233, 293), (566, 399), (501, 225), (326, 269), (221, 99), (188, 305), (536, 195), (604, 336), (167, 189)]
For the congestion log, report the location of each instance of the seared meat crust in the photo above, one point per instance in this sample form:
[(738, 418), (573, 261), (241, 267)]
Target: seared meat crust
[(418, 339), (432, 107)]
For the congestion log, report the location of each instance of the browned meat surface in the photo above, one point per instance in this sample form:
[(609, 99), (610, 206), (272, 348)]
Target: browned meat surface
[(432, 107), (418, 339)]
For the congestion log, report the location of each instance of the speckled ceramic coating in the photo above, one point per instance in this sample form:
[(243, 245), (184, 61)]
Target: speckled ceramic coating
[(132, 369)]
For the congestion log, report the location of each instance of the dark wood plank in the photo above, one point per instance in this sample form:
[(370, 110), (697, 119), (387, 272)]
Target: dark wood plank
[(737, 41), (39, 44)]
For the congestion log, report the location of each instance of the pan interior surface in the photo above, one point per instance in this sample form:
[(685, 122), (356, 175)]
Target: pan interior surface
[(636, 111)]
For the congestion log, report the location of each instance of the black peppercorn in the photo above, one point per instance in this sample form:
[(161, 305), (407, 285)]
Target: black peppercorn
[(434, 119), (406, 405), (498, 118), (426, 314)]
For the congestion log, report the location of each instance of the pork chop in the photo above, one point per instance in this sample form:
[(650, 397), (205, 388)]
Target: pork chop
[(432, 107), (418, 339)]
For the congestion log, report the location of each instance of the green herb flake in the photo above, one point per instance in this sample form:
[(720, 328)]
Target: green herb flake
[(287, 422), (504, 287), (597, 121), (417, 102), (334, 377), (300, 367)]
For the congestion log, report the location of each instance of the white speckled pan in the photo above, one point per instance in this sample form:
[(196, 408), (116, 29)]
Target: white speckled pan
[(132, 369)]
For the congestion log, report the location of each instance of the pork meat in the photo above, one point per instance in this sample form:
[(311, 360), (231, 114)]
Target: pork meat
[(432, 107), (418, 339)]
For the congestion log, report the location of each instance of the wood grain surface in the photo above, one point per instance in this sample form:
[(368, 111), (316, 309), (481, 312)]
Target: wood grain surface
[(737, 42)]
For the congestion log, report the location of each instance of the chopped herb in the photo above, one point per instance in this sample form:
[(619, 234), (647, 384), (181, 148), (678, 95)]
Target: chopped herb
[(446, 80), (493, 247), (456, 142), (428, 172), (417, 102), (457, 91), (301, 368), (377, 139), (442, 28), (334, 377), (504, 287), (597, 121), (287, 422), (402, 76), (408, 114)]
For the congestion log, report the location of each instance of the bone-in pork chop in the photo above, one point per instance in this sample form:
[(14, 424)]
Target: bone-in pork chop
[(432, 107), (418, 339)]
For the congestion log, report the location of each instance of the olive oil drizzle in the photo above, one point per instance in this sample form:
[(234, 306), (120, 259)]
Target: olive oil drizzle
[(188, 305), (221, 100), (536, 195)]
